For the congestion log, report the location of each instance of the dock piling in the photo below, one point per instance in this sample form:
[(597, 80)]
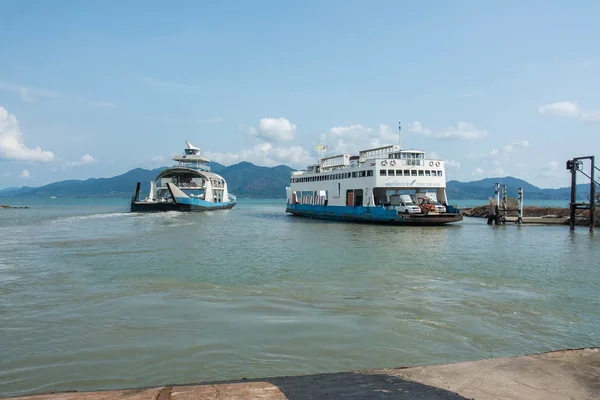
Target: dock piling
[(520, 207)]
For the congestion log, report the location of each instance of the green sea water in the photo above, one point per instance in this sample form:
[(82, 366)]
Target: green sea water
[(95, 297)]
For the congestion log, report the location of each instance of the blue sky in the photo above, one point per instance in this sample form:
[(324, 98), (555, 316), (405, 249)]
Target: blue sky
[(93, 89)]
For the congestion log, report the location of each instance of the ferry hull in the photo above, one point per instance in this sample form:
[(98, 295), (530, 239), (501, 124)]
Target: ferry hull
[(142, 206), (373, 215)]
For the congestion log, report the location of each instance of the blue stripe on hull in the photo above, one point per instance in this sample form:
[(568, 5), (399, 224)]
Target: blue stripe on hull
[(376, 215), (159, 207)]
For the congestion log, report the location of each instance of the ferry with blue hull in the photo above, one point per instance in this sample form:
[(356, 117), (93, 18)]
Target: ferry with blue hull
[(384, 185), (187, 186)]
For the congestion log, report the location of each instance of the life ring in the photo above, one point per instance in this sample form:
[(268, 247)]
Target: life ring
[(384, 163), (431, 163), (392, 163), (437, 163)]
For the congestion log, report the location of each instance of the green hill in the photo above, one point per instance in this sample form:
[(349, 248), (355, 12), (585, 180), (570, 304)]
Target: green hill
[(244, 180), (248, 180)]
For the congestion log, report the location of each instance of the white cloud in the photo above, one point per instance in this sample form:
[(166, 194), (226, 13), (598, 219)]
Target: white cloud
[(433, 155), (267, 154), (509, 148), (550, 170), (568, 109), (586, 63), (352, 138), (85, 159), (462, 130), (417, 127), (478, 172), (274, 129), (499, 172), (452, 164), (25, 174), (592, 116), (31, 94), (12, 147), (559, 109)]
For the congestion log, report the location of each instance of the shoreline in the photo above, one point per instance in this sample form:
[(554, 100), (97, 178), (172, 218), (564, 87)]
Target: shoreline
[(568, 373)]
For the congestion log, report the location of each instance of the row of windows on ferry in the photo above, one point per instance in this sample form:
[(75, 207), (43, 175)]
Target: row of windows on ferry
[(361, 174), (409, 172)]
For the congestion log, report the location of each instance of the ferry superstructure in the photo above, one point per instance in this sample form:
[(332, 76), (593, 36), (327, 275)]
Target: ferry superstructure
[(187, 186), (379, 185)]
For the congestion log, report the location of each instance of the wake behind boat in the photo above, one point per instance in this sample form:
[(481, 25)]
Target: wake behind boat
[(384, 185), (187, 186)]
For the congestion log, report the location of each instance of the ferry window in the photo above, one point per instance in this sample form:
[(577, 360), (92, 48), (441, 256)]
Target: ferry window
[(406, 172), (439, 173), (427, 172), (362, 173), (398, 172), (413, 172), (383, 172), (390, 172), (421, 172), (355, 174), (370, 172)]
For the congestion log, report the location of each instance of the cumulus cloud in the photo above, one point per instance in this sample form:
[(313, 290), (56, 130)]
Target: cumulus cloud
[(12, 147), (462, 130), (592, 116), (351, 138), (452, 164), (274, 129), (509, 148), (551, 170), (569, 109), (266, 154), (478, 172), (25, 174), (559, 109), (85, 159)]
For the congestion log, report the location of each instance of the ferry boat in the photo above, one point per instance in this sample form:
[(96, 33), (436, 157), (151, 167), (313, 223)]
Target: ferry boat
[(187, 186), (384, 185)]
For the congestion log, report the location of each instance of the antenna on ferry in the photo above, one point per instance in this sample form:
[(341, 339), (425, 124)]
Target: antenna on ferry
[(400, 134)]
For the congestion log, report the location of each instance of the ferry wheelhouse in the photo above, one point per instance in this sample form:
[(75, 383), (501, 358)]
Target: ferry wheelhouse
[(379, 185), (187, 186)]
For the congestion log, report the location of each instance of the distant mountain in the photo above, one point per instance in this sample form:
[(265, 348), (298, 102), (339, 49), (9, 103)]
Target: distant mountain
[(248, 180), (484, 189), (244, 180)]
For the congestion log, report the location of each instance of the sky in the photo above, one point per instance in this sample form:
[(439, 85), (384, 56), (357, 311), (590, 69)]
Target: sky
[(94, 89)]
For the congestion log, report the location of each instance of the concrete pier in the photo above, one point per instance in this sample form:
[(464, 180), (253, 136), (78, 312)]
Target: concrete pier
[(565, 374)]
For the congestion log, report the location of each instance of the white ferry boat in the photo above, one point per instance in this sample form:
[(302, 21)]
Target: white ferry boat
[(380, 185), (187, 186)]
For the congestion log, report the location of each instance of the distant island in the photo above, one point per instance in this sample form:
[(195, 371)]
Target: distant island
[(248, 180)]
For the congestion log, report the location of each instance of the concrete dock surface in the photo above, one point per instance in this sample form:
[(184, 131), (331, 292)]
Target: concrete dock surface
[(564, 374)]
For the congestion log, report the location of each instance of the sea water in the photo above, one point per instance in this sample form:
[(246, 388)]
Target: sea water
[(95, 297)]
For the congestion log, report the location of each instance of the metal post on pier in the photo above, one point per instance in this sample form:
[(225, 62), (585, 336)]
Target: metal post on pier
[(504, 201), (572, 165), (592, 193), (520, 206)]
